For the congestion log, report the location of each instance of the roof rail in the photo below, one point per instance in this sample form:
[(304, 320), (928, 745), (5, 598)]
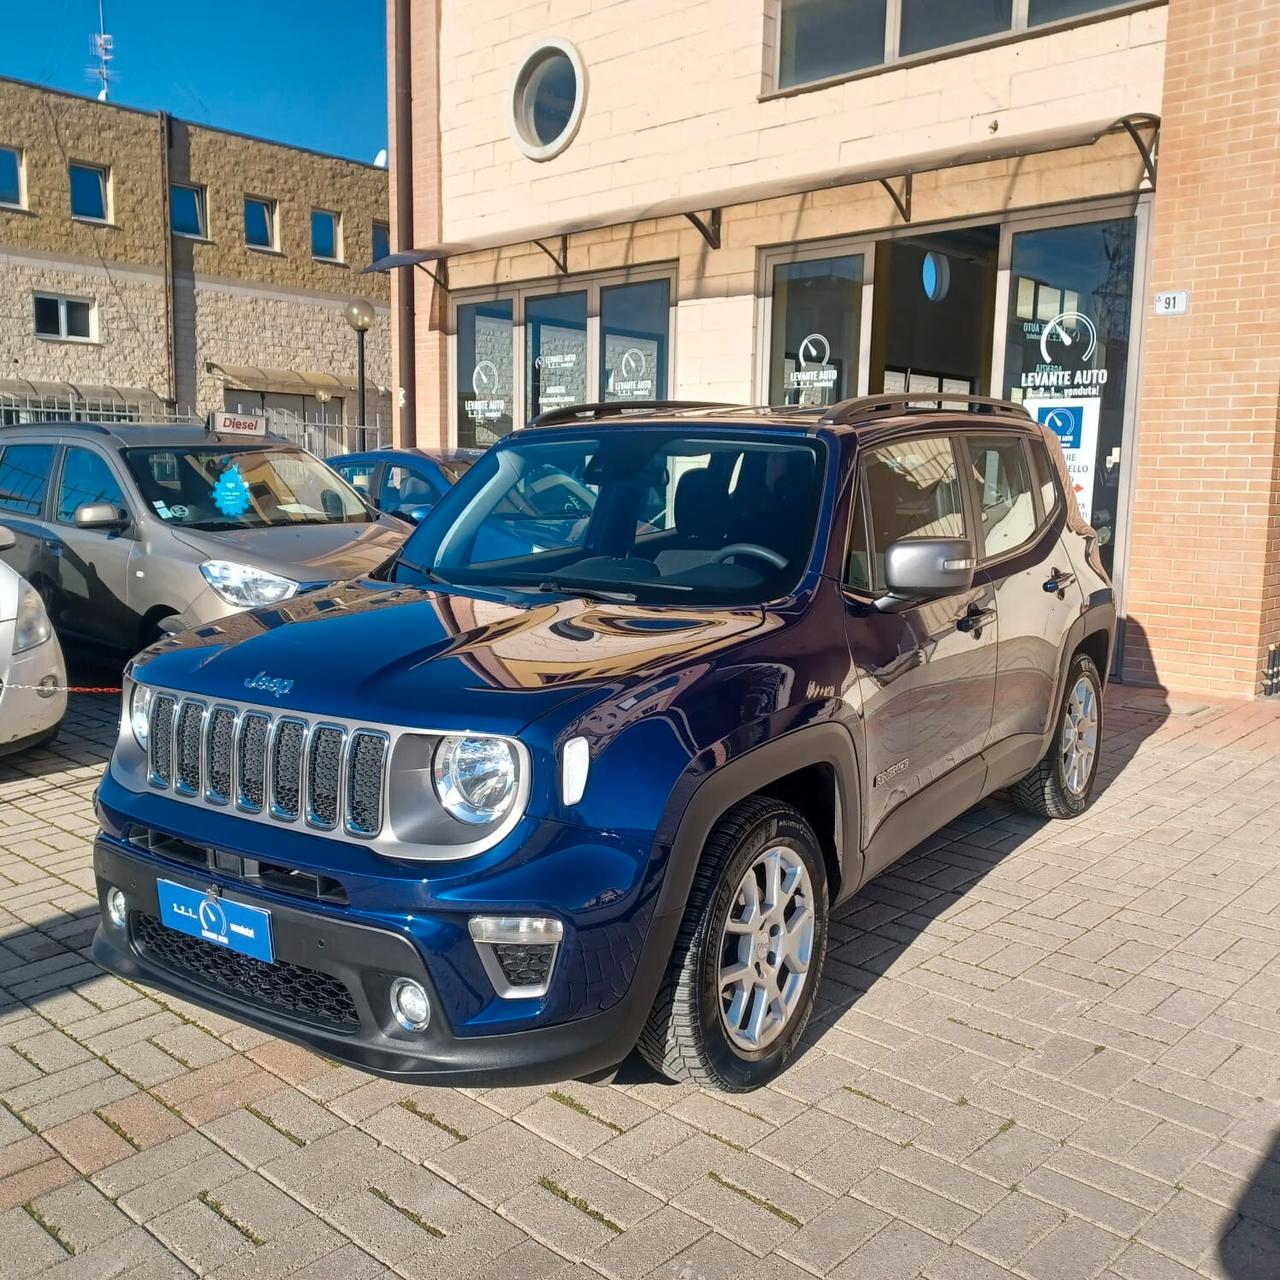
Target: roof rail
[(61, 423), (863, 406), (617, 408)]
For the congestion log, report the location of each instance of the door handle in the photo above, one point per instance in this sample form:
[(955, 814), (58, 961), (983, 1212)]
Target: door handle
[(975, 619), (1058, 581)]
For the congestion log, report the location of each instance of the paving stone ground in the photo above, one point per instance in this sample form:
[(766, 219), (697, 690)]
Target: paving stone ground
[(1046, 1050)]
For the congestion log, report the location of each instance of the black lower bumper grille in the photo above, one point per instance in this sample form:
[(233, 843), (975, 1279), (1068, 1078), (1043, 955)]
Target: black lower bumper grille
[(525, 965), (291, 988)]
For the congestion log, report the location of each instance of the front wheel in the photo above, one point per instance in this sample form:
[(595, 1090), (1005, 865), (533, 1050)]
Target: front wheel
[(740, 983), (1061, 785)]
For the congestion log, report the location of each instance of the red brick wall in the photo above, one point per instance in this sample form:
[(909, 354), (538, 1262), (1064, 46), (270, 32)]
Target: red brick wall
[(1204, 576)]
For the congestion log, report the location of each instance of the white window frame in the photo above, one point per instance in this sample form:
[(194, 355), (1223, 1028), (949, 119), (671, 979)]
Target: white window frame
[(63, 335), (518, 296), (1019, 29), (202, 203), (104, 172), (273, 223), (21, 155), (338, 246)]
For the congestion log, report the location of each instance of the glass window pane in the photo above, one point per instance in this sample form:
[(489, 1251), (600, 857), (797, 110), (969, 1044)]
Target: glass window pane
[(913, 491), (1042, 11), (820, 38), (24, 478), (407, 492), (486, 372), (10, 176), (1045, 478), (187, 210), (381, 240), (324, 234), (257, 223), (48, 317), (86, 478), (549, 98), (817, 315), (88, 192), (78, 319), (359, 475), (1070, 365), (556, 351), (633, 340), (1005, 504), (934, 24)]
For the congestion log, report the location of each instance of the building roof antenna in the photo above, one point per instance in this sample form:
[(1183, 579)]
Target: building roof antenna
[(103, 47)]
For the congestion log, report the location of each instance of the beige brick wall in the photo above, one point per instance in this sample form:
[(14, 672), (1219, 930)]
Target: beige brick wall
[(54, 128), (246, 325), (231, 166), (1205, 566), (673, 105), (131, 350)]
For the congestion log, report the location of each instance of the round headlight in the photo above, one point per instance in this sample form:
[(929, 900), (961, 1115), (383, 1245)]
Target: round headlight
[(140, 713), (475, 778)]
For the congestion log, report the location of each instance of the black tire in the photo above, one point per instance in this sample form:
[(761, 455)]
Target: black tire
[(1044, 791), (685, 1036)]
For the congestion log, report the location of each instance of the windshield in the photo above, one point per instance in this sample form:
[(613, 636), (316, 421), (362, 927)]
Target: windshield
[(655, 516), (249, 487)]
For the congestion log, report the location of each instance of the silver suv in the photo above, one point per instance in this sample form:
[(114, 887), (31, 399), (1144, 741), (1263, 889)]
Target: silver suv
[(129, 531)]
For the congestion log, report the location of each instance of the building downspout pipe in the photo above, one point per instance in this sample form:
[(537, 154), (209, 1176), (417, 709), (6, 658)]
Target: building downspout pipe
[(406, 407)]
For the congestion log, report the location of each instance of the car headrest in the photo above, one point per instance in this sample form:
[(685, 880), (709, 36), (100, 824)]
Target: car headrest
[(701, 506)]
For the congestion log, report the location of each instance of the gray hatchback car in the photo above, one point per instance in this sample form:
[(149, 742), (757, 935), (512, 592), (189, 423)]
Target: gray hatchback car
[(129, 531)]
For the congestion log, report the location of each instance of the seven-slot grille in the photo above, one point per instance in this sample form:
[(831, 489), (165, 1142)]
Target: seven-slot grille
[(284, 765)]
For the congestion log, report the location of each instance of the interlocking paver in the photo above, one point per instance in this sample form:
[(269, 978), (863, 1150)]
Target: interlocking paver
[(1036, 1041)]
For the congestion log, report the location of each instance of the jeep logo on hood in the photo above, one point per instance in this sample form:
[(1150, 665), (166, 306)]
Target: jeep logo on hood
[(273, 685)]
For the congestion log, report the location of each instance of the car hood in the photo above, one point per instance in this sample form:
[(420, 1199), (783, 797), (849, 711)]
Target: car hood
[(308, 553), (416, 657)]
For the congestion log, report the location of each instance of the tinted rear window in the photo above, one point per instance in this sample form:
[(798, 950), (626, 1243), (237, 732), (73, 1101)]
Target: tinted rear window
[(24, 477)]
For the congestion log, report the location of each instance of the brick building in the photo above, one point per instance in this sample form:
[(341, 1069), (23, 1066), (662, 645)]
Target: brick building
[(1068, 202), (153, 266)]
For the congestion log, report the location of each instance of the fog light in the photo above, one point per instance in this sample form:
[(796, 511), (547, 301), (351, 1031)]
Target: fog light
[(117, 908), (47, 687), (409, 1004)]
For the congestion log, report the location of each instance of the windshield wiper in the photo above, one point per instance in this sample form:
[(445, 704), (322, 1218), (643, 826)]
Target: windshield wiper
[(550, 586), (398, 561)]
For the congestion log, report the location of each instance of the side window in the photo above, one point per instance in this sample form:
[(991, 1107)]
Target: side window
[(912, 490), (1007, 511), (86, 477), (359, 475), (404, 488), (857, 569), (24, 478), (1046, 477)]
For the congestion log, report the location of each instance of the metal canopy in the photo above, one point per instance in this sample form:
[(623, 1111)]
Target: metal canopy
[(241, 377), (1143, 129)]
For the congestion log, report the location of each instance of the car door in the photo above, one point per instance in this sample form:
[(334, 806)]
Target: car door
[(926, 673), (25, 467), (94, 565), (409, 492), (1023, 563)]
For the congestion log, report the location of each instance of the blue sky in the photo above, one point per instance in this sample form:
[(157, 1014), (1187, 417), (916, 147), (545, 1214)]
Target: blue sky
[(307, 72)]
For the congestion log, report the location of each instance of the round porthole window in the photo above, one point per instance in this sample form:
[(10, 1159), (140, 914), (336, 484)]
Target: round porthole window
[(547, 99), (936, 276)]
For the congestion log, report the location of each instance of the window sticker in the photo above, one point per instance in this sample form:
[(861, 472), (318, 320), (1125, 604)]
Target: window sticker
[(231, 494)]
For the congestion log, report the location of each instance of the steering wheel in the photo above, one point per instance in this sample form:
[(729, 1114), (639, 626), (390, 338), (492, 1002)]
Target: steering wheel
[(766, 554)]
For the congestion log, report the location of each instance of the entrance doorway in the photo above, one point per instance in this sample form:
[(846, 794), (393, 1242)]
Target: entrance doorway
[(933, 314)]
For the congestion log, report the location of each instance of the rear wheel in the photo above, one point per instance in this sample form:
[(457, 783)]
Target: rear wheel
[(740, 984), (1061, 785)]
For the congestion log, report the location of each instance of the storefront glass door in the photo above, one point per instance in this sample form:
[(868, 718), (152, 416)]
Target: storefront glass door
[(556, 350), (816, 328), (634, 320), (1068, 348), (485, 381)]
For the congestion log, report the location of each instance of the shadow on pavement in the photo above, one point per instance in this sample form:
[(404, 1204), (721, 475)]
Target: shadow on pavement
[(1250, 1247)]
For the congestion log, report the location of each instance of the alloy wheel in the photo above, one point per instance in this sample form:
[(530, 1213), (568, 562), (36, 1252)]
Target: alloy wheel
[(1080, 736), (765, 948)]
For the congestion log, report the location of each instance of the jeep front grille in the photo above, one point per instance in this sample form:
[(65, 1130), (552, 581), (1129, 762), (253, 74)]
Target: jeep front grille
[(282, 766)]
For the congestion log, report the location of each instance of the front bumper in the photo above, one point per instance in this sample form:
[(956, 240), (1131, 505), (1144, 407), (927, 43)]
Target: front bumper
[(26, 713), (365, 961)]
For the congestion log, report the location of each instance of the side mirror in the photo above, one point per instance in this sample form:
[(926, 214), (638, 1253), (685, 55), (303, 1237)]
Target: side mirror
[(920, 569), (99, 515), (7, 539)]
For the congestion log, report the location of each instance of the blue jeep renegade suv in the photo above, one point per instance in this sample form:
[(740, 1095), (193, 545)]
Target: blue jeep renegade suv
[(477, 820)]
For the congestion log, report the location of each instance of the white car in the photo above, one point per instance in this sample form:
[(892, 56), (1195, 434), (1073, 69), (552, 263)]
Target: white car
[(33, 676)]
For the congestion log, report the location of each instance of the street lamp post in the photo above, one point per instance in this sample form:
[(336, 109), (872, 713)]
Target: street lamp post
[(360, 317)]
